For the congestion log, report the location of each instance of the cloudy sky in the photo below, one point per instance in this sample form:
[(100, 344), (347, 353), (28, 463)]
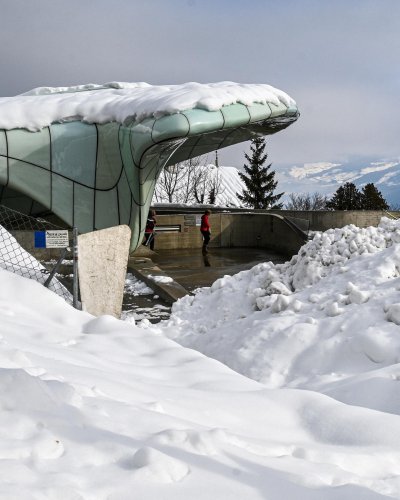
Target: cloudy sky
[(340, 60)]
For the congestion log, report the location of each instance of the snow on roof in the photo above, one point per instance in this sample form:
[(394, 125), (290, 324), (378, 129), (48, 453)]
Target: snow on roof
[(118, 101)]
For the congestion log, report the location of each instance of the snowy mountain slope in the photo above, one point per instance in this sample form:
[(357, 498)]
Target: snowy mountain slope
[(226, 177), (231, 185), (328, 320), (322, 177), (326, 177)]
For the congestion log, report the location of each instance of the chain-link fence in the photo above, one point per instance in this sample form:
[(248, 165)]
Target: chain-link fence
[(17, 260)]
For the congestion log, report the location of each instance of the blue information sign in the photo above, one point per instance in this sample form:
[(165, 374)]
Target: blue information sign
[(54, 238), (40, 239)]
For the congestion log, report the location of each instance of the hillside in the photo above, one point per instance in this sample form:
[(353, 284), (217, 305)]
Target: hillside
[(326, 177), (227, 179), (322, 177)]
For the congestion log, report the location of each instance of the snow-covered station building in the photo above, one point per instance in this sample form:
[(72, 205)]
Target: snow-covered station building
[(91, 154)]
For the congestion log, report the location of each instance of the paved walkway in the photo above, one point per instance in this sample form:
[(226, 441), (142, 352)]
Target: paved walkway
[(173, 274), (192, 270)]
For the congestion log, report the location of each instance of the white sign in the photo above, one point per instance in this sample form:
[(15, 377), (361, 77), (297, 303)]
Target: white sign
[(198, 220), (57, 239)]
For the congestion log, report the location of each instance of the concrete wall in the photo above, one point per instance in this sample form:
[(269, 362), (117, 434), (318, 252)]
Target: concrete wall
[(230, 230), (322, 220), (253, 229)]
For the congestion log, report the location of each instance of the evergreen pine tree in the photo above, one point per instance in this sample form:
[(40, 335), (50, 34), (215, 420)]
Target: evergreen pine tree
[(259, 180), (372, 198), (346, 197)]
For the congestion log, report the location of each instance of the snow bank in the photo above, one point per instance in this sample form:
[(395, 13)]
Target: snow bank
[(95, 408), (328, 320), (117, 102)]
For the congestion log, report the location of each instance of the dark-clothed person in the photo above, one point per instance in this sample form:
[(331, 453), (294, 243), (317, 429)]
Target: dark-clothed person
[(205, 231), (149, 232)]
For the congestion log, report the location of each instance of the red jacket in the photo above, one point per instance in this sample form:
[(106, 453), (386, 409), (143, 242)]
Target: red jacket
[(151, 222), (205, 226)]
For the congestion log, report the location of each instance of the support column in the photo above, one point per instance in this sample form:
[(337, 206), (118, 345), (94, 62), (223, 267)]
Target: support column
[(103, 260)]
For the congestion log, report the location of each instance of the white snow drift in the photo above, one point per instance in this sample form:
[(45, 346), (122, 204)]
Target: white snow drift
[(328, 320), (95, 408)]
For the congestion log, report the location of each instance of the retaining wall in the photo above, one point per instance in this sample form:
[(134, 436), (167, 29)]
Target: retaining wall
[(321, 220), (266, 229), (229, 230)]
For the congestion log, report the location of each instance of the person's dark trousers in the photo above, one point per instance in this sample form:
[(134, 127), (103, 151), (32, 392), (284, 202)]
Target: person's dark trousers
[(149, 240), (206, 240)]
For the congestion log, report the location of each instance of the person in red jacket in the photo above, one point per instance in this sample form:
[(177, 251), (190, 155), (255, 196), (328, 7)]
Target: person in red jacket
[(205, 231)]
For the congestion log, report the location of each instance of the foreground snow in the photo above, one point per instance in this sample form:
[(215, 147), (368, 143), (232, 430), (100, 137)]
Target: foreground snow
[(96, 408)]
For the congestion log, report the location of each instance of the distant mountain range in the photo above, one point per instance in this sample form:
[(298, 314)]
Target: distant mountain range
[(322, 177), (325, 177)]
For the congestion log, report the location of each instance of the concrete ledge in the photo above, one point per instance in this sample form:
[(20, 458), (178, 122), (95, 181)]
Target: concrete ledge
[(144, 268)]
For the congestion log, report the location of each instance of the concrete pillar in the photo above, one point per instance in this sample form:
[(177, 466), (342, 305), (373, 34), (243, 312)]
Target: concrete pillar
[(102, 262)]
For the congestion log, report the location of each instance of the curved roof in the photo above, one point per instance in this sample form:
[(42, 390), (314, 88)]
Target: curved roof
[(101, 174)]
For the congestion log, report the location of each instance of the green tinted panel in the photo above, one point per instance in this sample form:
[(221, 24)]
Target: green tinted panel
[(130, 169), (235, 115), (203, 121), (137, 227), (209, 142), (141, 138), (108, 157), (74, 147), (106, 209), (148, 165), (126, 152), (30, 180), (37, 209), (169, 127), (259, 112), (183, 153), (3, 170), (32, 147), (277, 110), (62, 198), (83, 208), (3, 143), (236, 136), (124, 199), (147, 189), (16, 201), (292, 111)]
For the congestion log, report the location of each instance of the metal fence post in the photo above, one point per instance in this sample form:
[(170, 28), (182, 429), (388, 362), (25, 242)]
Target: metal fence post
[(75, 285), (55, 268)]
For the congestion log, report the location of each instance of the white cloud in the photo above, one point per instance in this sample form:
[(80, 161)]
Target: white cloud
[(311, 169), (378, 167)]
